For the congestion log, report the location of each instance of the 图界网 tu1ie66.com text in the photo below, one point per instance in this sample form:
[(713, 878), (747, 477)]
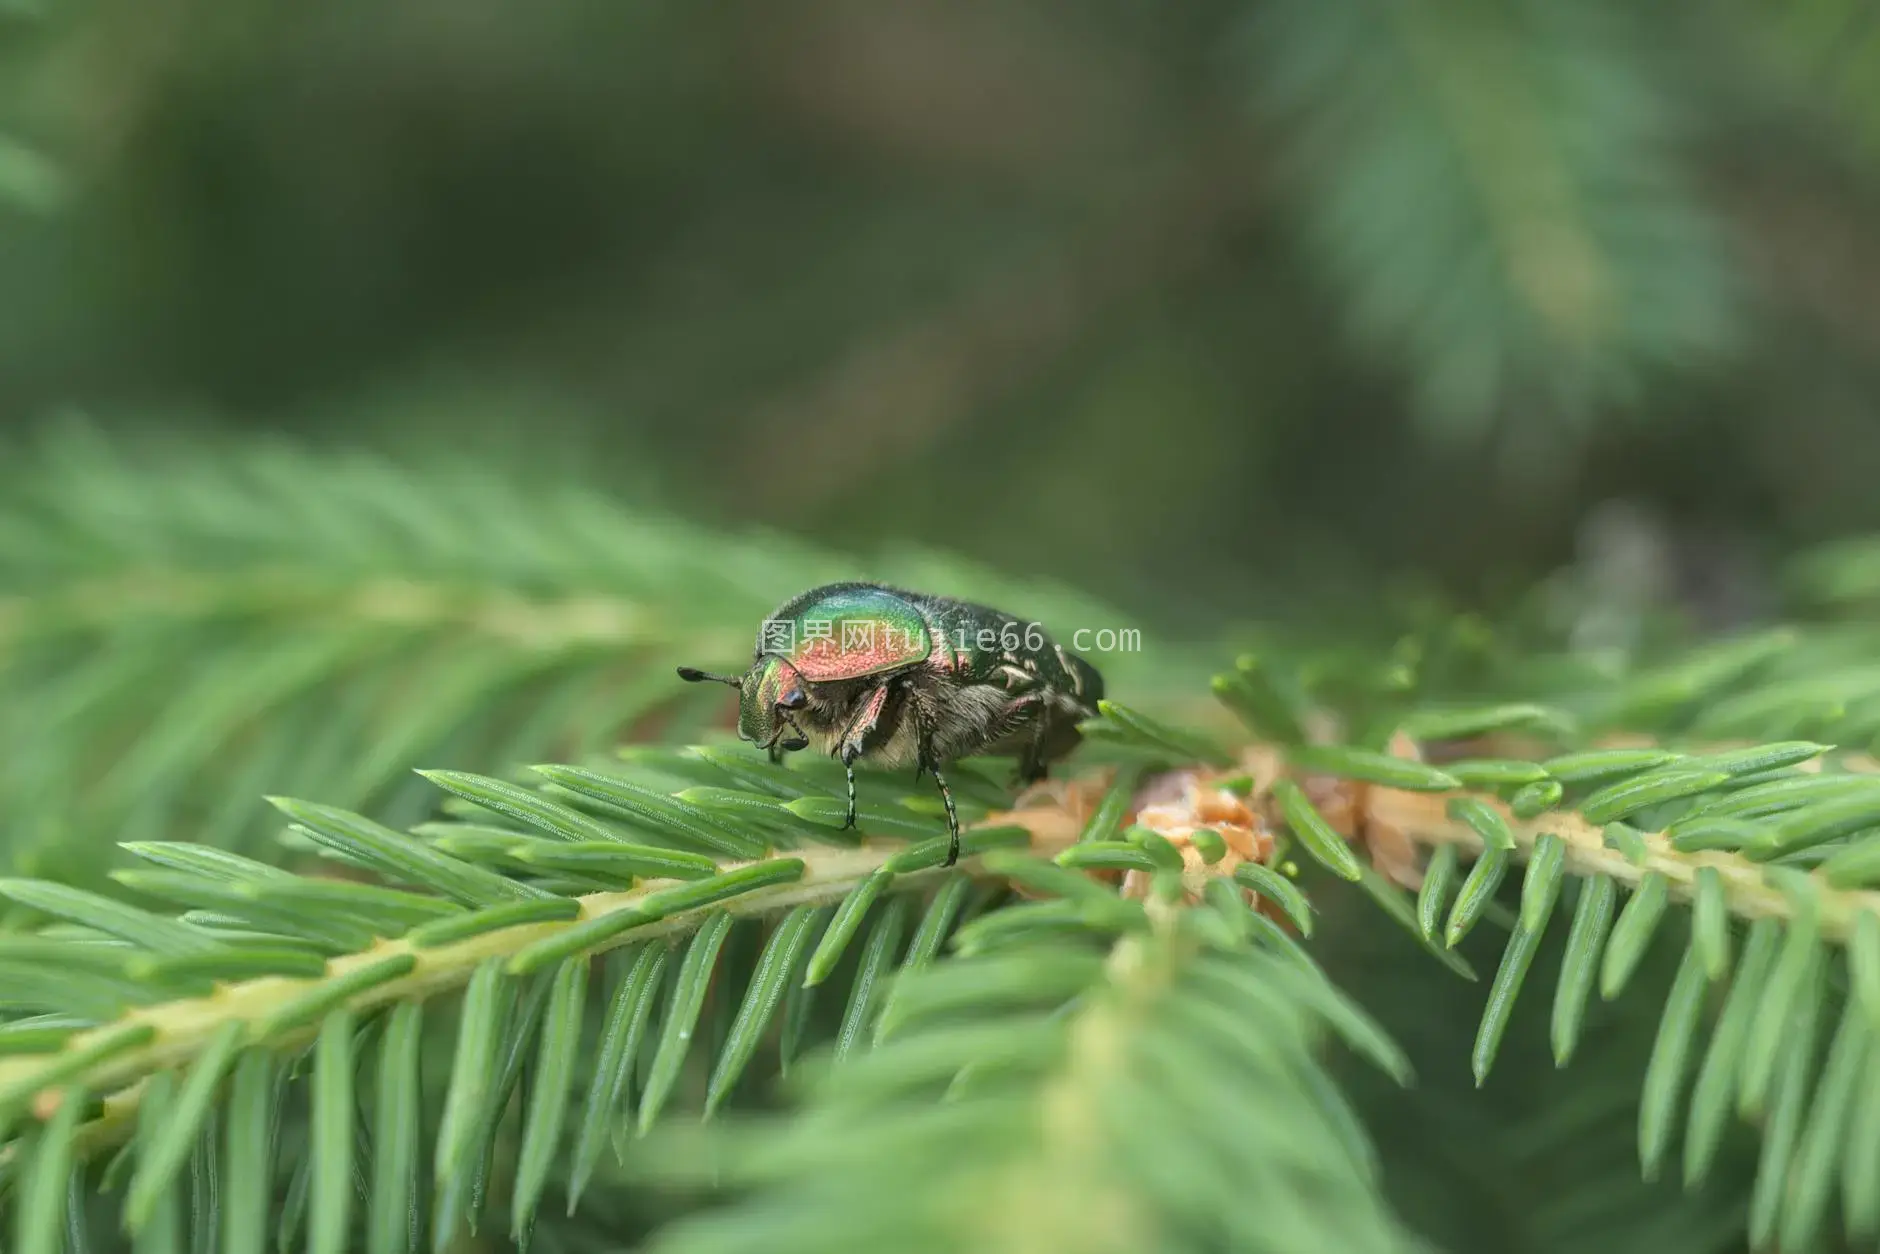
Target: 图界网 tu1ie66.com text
[(784, 635)]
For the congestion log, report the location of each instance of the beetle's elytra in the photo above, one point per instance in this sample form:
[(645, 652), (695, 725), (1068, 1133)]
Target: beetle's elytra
[(891, 678)]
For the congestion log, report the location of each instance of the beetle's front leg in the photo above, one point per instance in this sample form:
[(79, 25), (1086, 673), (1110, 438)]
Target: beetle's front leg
[(853, 743), (848, 755)]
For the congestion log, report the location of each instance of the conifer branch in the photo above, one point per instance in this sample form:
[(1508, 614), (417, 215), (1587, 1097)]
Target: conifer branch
[(1091, 1121), (173, 1033), (1423, 819), (182, 629)]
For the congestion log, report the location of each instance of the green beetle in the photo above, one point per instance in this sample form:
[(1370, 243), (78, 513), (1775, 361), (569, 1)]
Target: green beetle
[(890, 678)]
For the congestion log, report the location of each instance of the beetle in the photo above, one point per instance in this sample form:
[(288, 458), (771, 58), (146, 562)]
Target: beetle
[(889, 678)]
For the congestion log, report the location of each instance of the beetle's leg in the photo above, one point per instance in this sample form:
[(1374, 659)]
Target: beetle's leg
[(850, 751), (924, 759), (953, 818), (1031, 767), (865, 723), (1031, 762)]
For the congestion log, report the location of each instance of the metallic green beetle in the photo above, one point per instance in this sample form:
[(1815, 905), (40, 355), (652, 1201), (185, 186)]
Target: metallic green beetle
[(893, 679)]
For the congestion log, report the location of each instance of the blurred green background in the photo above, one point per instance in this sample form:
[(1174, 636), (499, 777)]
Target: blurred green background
[(1206, 309), (1220, 311)]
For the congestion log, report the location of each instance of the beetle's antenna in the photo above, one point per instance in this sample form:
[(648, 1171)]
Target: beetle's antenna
[(693, 675)]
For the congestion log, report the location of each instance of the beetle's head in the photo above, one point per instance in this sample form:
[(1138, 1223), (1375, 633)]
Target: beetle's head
[(768, 695)]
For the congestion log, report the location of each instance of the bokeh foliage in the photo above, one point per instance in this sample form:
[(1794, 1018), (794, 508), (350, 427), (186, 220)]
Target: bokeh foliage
[(185, 627), (1247, 310), (1345, 287)]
